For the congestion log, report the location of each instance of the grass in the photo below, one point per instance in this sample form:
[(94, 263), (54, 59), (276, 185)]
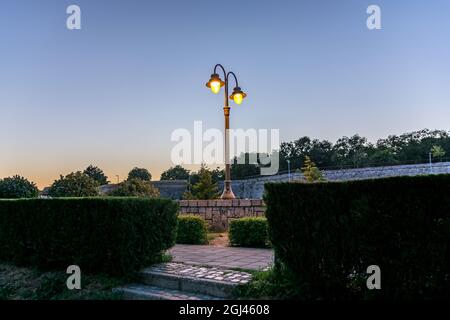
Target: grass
[(218, 239), (213, 235), (17, 283), (272, 284)]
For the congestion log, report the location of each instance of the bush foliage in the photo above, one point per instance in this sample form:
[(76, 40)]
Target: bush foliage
[(328, 234), (101, 235), (248, 232), (136, 188), (192, 230), (75, 184), (17, 187)]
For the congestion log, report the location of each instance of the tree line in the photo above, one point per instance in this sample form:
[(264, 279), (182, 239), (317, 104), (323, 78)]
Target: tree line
[(313, 154), (81, 184), (357, 152), (347, 152)]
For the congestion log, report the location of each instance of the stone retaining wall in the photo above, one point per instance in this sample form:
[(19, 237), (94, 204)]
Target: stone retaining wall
[(219, 212), (254, 188)]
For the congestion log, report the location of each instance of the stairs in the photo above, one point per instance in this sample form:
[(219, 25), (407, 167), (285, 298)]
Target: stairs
[(177, 281)]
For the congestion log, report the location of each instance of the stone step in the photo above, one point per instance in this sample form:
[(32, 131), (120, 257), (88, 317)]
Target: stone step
[(144, 292), (216, 282)]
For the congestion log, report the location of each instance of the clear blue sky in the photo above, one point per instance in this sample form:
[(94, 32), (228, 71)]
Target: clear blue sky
[(112, 93)]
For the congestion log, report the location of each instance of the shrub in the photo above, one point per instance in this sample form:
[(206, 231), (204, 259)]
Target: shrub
[(139, 173), (248, 232), (75, 184), (310, 171), (51, 286), (192, 230), (17, 187), (205, 188), (328, 234), (100, 235), (136, 188), (272, 284)]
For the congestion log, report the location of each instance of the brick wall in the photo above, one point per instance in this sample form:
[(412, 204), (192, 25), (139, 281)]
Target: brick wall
[(219, 212)]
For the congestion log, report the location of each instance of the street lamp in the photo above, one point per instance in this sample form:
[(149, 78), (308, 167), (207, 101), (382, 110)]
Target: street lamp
[(289, 169), (215, 83)]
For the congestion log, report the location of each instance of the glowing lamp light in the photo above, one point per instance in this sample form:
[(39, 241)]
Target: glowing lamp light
[(215, 86), (238, 96), (215, 83)]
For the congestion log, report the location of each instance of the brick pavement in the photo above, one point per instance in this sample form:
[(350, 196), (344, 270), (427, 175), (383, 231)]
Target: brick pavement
[(226, 257)]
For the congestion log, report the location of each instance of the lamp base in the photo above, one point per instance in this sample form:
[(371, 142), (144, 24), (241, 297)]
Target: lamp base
[(227, 192)]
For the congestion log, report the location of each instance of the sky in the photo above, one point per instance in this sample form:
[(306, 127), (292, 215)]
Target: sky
[(112, 93)]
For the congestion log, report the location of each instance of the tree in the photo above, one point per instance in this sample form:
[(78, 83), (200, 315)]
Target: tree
[(321, 152), (205, 188), (216, 174), (437, 152), (351, 151), (17, 187), (136, 188), (96, 174), (139, 173), (175, 173), (75, 184), (380, 157), (241, 166), (311, 172)]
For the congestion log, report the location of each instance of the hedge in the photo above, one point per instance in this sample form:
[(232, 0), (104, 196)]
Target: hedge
[(327, 234), (192, 230), (101, 235), (248, 232)]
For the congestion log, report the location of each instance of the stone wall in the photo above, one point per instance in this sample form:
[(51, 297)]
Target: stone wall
[(172, 189), (218, 213)]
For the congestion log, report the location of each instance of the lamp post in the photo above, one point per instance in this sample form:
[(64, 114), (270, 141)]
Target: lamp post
[(215, 83), (289, 169), (431, 162)]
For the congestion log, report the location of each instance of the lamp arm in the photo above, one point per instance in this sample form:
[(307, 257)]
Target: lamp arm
[(234, 76), (223, 69)]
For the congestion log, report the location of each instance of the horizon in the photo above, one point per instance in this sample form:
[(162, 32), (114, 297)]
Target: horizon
[(111, 93), (194, 168)]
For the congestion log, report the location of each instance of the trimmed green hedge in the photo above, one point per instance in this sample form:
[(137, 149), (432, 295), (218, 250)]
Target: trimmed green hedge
[(328, 234), (248, 232), (101, 235), (192, 230)]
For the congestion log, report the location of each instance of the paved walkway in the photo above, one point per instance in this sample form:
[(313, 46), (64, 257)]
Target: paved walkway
[(227, 257)]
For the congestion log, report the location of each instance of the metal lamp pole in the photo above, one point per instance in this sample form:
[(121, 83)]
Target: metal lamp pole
[(289, 170), (215, 83)]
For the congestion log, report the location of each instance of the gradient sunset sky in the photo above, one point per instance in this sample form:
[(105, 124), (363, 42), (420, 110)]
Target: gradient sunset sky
[(112, 93)]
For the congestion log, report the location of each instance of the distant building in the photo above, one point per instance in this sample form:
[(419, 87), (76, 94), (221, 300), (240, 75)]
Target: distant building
[(107, 188)]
